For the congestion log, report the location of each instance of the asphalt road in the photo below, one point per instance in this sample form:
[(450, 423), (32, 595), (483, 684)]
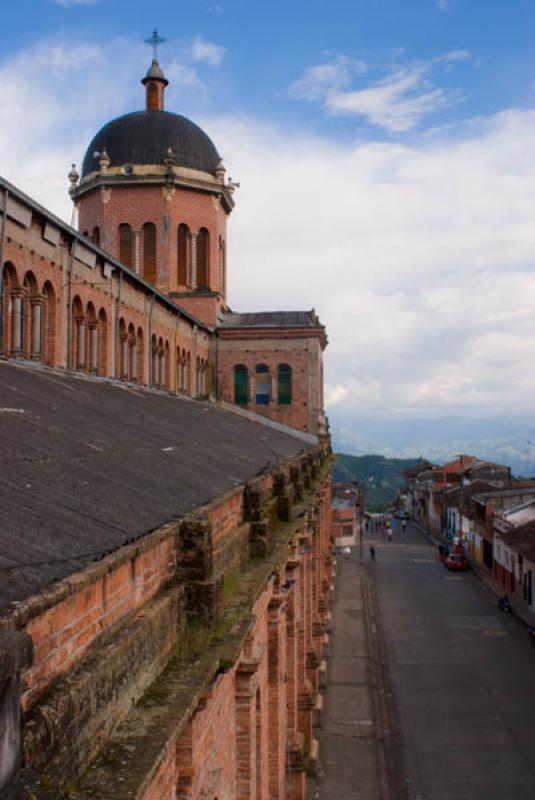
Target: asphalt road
[(463, 677)]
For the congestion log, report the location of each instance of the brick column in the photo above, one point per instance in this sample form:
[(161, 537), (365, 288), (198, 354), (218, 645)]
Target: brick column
[(246, 730), (37, 327), (277, 686), (16, 311), (193, 274)]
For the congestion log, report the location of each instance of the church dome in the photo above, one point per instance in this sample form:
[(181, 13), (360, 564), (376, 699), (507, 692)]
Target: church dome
[(143, 137)]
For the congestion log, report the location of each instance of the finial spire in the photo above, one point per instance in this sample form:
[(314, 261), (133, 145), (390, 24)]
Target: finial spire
[(154, 42)]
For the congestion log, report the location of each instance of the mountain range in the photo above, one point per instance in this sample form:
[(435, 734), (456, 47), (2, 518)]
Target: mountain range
[(506, 440)]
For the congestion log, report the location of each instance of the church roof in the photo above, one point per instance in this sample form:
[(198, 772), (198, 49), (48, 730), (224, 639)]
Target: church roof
[(272, 319), (143, 137), (89, 465)]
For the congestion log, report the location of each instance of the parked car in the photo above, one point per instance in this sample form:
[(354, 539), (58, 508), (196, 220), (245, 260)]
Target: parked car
[(457, 562)]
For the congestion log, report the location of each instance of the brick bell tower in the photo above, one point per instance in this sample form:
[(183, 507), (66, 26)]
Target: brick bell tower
[(153, 193)]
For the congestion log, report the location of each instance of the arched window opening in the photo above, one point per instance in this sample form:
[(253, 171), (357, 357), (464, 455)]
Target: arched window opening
[(197, 376), (132, 353), (126, 248), (284, 381), (262, 385), (10, 283), (102, 360), (241, 384), (31, 319), (149, 252), (123, 350), (166, 366), (152, 97), (161, 364), (203, 259), (95, 236), (78, 338), (184, 255), (188, 372), (140, 372), (154, 362), (49, 324), (92, 332)]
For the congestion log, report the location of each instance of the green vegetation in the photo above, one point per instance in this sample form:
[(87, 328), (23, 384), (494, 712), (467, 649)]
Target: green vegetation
[(377, 476)]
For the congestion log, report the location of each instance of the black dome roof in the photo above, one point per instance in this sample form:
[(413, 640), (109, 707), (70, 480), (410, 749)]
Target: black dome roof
[(143, 137)]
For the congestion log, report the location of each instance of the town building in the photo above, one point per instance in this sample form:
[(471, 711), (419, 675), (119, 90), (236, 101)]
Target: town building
[(347, 510), (165, 514)]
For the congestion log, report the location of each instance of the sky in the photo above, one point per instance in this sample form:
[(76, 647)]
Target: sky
[(386, 157)]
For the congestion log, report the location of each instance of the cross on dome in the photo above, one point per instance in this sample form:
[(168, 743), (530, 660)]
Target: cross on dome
[(154, 42)]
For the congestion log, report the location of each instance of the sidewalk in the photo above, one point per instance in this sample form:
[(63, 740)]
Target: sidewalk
[(519, 609), (359, 748)]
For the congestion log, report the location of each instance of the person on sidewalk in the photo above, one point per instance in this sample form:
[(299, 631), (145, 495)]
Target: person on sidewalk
[(372, 553)]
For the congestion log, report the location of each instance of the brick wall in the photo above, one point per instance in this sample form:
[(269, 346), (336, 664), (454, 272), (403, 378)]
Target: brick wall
[(301, 351), (38, 272), (103, 638)]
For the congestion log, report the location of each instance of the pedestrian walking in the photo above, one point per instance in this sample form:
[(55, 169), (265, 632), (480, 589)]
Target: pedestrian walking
[(404, 525), (389, 534), (372, 553)]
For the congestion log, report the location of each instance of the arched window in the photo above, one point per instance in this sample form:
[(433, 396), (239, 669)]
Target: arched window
[(126, 250), (49, 325), (78, 338), (203, 259), (132, 353), (154, 362), (123, 350), (140, 356), (102, 364), (92, 333), (262, 385), (284, 381), (149, 252), (31, 319), (241, 384), (96, 235), (184, 251), (10, 281)]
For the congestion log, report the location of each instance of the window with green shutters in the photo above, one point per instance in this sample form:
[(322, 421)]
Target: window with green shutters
[(241, 381), (284, 381)]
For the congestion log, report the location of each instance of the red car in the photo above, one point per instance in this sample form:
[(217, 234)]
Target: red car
[(457, 561)]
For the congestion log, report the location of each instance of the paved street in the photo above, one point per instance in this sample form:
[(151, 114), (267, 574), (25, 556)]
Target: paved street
[(452, 717), (463, 676)]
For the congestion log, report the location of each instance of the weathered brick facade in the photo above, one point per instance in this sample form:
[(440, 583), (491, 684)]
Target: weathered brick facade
[(175, 669), (184, 664)]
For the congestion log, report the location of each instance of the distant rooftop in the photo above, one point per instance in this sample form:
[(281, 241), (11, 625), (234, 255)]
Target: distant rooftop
[(272, 319)]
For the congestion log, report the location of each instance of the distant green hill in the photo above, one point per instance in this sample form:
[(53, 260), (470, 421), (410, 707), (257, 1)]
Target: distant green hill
[(378, 476)]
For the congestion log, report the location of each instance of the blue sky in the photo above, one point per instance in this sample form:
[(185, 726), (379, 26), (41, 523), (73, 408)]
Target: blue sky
[(386, 154)]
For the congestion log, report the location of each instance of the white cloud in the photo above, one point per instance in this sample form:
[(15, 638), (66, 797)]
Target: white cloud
[(208, 52), (419, 259), (322, 79), (444, 5), (397, 102)]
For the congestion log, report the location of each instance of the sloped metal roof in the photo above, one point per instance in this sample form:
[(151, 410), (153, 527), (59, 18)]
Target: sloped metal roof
[(88, 465), (271, 319)]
